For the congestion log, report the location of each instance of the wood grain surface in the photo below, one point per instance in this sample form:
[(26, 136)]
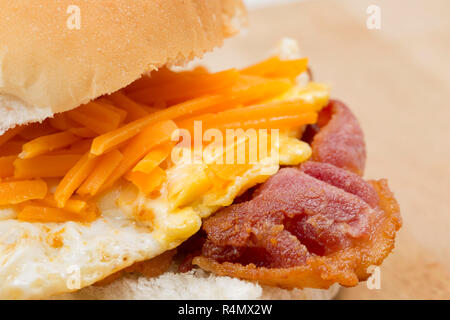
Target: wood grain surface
[(397, 81)]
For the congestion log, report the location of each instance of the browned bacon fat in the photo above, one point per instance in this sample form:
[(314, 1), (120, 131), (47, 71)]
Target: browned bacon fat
[(307, 227), (340, 140)]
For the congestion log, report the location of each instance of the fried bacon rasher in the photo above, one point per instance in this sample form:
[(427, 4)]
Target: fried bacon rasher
[(310, 226), (340, 140)]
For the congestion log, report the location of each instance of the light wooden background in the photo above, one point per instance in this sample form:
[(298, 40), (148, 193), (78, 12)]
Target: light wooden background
[(397, 81)]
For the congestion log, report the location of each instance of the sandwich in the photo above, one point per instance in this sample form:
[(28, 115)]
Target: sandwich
[(124, 175)]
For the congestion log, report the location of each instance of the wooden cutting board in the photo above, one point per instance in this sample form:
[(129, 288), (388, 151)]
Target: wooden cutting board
[(397, 81)]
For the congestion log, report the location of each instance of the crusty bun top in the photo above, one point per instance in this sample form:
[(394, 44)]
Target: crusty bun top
[(49, 65)]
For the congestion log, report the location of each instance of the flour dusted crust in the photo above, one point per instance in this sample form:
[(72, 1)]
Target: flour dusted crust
[(46, 67)]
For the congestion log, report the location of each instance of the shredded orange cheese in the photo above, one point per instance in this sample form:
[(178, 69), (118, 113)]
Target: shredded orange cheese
[(15, 192), (154, 158), (187, 88), (72, 205), (277, 68), (74, 178), (106, 165), (46, 144), (127, 135), (147, 182), (7, 166), (46, 166), (10, 134), (38, 213), (140, 145)]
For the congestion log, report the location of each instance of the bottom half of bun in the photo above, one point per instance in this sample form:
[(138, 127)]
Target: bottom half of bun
[(194, 285)]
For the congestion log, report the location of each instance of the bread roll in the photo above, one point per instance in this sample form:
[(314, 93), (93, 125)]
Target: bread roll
[(194, 285), (49, 65)]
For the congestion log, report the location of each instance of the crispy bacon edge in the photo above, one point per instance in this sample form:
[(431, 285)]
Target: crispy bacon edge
[(347, 267), (340, 142), (340, 139)]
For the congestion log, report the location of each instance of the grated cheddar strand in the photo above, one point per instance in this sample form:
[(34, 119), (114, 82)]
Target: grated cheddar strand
[(238, 117), (109, 105), (106, 165), (61, 122), (187, 88), (15, 192), (48, 166), (7, 166), (261, 68), (83, 132), (10, 134), (147, 182), (46, 144), (140, 145), (114, 138), (134, 110), (72, 205), (74, 178), (38, 213), (127, 134), (154, 158), (80, 147), (274, 67), (97, 117), (246, 93)]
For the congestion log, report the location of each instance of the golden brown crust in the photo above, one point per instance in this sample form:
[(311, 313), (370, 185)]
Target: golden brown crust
[(346, 267), (46, 68)]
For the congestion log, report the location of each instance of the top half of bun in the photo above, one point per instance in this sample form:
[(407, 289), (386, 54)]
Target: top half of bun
[(49, 65)]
